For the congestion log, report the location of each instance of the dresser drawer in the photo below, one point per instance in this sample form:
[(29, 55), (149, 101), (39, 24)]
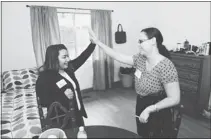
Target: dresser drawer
[(188, 75), (181, 62), (194, 79), (189, 102), (188, 86)]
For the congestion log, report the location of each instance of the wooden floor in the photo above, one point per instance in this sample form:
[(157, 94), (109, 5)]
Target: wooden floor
[(116, 107)]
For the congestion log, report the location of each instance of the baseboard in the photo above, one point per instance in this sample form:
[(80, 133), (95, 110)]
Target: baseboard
[(116, 84)]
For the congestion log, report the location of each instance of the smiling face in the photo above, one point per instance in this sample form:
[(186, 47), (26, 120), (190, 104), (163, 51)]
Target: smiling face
[(146, 45), (63, 59)]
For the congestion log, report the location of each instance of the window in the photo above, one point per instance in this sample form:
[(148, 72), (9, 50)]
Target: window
[(73, 34), (76, 38)]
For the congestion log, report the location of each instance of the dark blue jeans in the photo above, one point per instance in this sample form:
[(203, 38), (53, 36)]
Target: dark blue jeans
[(159, 124)]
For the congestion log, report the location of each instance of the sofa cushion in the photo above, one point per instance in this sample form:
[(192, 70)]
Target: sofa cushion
[(19, 79), (11, 80), (29, 77), (20, 115)]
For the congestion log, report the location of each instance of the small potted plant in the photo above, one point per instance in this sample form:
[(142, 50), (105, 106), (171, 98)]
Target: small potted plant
[(126, 75)]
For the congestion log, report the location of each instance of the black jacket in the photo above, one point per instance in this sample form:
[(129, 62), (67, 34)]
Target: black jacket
[(49, 92)]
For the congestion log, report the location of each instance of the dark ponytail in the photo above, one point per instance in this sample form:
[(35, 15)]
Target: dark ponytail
[(154, 32), (163, 51)]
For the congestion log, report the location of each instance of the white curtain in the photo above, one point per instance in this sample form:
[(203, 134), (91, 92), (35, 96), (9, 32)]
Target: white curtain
[(45, 30), (103, 65)]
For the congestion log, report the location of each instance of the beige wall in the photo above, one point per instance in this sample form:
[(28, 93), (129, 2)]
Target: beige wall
[(177, 21)]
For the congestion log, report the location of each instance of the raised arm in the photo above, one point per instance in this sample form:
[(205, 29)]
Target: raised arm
[(80, 60), (112, 53), (116, 55)]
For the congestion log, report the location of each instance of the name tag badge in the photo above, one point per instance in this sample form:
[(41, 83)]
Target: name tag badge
[(61, 83), (138, 73)]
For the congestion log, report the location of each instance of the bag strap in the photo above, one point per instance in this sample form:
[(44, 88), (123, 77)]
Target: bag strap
[(119, 25)]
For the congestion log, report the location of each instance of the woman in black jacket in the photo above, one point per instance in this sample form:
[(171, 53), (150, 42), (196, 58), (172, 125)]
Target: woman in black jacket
[(57, 81)]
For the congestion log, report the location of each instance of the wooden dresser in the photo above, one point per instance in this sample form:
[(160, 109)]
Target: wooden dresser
[(194, 78)]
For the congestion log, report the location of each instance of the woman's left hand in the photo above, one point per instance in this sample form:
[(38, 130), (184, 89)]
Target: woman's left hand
[(69, 93), (92, 36), (143, 118)]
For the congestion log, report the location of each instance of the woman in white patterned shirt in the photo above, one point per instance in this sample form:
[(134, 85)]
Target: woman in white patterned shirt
[(156, 83)]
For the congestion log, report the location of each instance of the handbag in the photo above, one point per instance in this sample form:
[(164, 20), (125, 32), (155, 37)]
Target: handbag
[(120, 36)]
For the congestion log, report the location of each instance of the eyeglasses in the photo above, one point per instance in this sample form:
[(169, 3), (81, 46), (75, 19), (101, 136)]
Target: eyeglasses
[(141, 41)]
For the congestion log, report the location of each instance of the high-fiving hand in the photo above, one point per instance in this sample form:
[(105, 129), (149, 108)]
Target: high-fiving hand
[(92, 36)]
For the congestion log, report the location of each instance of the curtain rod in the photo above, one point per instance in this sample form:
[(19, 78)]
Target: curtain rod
[(71, 8)]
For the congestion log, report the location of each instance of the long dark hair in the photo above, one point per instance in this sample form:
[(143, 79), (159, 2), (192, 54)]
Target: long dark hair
[(154, 32), (51, 58)]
